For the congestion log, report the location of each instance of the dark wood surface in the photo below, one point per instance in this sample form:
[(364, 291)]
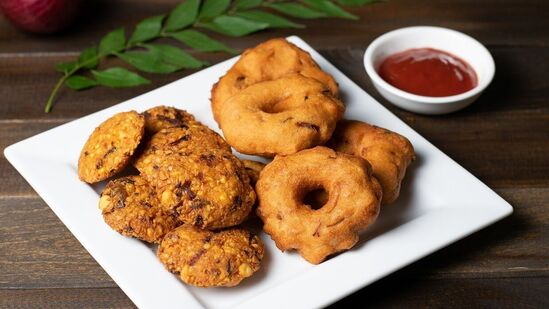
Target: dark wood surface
[(503, 139)]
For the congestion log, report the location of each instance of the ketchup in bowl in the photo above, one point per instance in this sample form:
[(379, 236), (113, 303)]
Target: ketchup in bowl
[(428, 72)]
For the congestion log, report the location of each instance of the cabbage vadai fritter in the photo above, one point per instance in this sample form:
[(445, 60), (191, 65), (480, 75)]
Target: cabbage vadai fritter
[(162, 117), (110, 147), (210, 259), (130, 206)]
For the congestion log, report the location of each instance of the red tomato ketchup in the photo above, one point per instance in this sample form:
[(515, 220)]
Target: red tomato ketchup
[(428, 72)]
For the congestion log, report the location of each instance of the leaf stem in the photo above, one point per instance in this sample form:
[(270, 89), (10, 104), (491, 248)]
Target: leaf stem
[(55, 90), (53, 93)]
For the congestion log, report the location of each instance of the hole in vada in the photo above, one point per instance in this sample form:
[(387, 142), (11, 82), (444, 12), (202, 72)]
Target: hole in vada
[(316, 198), (240, 82), (276, 107)]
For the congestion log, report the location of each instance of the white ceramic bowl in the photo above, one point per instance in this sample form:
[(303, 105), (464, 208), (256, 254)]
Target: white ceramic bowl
[(454, 42)]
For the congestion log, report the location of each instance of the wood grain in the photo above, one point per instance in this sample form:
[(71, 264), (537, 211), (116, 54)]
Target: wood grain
[(503, 139), (494, 22), (96, 298), (416, 292), (37, 250), (391, 292)]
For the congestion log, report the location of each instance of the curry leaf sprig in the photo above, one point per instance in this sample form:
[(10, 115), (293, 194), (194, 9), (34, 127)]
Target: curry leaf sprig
[(231, 18)]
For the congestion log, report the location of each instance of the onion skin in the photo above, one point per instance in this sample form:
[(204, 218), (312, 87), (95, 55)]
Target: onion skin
[(40, 16)]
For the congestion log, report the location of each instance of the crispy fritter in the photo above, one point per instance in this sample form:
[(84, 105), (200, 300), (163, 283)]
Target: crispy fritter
[(388, 152), (130, 206), (353, 201), (162, 117), (280, 117), (197, 177), (180, 140), (208, 259), (208, 189), (270, 60), (109, 148), (253, 169)]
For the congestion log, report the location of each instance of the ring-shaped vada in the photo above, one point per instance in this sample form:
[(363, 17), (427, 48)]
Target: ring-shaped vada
[(280, 117), (353, 201), (269, 60)]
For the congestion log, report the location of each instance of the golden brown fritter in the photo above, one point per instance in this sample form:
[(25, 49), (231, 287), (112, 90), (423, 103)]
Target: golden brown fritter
[(253, 169), (130, 207), (180, 140), (282, 116), (197, 177), (109, 148), (162, 117), (353, 201), (207, 189), (269, 60), (388, 152), (210, 259)]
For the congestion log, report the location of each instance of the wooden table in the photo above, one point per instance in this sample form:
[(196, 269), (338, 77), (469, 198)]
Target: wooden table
[(503, 139)]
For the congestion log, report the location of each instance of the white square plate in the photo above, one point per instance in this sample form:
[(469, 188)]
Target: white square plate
[(440, 203)]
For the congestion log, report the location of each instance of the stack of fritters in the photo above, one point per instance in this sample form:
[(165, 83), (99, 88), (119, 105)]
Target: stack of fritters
[(189, 178)]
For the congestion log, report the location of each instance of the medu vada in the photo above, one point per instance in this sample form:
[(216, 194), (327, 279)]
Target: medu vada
[(269, 60), (353, 201), (207, 259), (281, 116), (388, 152)]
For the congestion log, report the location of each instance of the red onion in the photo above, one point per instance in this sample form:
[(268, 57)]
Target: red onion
[(40, 16)]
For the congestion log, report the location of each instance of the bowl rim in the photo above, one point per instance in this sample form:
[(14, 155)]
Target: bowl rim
[(376, 79)]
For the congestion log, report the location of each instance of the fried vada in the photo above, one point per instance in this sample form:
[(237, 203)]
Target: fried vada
[(110, 147), (253, 168), (267, 61), (281, 116), (129, 206), (388, 152), (352, 205), (162, 117), (197, 177), (179, 140), (211, 259)]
